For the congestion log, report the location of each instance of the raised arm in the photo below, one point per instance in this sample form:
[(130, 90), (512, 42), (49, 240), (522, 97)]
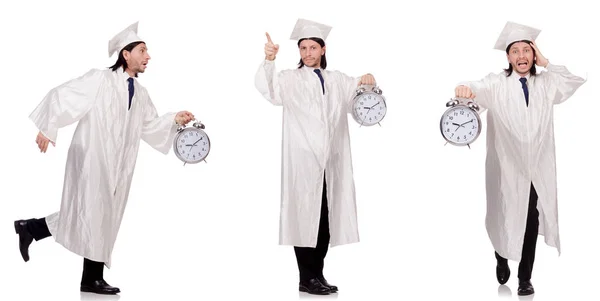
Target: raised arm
[(266, 80), (560, 84)]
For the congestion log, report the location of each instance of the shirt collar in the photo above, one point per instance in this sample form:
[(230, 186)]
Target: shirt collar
[(517, 76), (312, 69), (122, 75)]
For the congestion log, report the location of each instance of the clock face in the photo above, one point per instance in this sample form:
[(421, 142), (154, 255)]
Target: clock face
[(460, 125), (369, 108), (192, 145)]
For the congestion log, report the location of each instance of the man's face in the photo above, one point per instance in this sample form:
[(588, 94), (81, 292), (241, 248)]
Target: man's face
[(137, 59), (311, 52), (520, 56)]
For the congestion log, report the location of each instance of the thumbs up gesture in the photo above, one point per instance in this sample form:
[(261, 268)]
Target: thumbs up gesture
[(270, 48)]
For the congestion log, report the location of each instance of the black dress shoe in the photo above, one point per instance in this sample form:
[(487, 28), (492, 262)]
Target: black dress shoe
[(525, 288), (331, 287), (99, 287), (25, 238), (315, 287), (502, 272)]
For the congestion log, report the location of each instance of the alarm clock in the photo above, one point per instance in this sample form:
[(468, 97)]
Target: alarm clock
[(460, 124), (191, 144), (368, 106)]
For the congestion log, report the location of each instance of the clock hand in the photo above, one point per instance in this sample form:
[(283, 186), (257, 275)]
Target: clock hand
[(375, 104), (467, 122)]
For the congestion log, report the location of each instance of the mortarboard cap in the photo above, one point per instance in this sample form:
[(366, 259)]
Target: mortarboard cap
[(513, 32), (123, 38), (309, 29)]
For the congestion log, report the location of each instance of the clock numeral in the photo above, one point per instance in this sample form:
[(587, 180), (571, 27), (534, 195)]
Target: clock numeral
[(462, 112)]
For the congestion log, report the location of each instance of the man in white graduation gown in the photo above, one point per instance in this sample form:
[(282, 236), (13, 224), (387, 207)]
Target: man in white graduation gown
[(318, 205), (114, 112), (520, 164)]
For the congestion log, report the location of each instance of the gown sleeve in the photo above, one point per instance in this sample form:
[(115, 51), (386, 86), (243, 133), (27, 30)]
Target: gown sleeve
[(349, 85), (269, 83), (158, 131), (560, 84), (483, 90), (67, 103)]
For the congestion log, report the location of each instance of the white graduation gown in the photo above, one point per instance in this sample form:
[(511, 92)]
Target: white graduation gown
[(521, 151), (102, 155), (315, 139)]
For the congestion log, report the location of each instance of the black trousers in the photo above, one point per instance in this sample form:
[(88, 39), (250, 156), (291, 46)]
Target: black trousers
[(530, 239), (311, 260), (92, 270)]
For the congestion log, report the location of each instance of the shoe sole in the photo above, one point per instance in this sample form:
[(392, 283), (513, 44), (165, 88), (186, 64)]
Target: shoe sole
[(89, 290), (313, 293), (527, 294)]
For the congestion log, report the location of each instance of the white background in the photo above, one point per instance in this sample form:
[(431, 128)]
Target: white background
[(210, 231)]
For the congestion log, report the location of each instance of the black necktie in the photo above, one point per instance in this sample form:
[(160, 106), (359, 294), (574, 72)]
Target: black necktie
[(318, 72), (130, 80), (523, 81)]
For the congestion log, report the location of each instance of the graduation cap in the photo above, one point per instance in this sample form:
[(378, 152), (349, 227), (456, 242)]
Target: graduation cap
[(123, 38), (513, 32), (309, 29)]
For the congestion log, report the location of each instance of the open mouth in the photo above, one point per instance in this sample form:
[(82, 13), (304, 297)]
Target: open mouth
[(522, 64)]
